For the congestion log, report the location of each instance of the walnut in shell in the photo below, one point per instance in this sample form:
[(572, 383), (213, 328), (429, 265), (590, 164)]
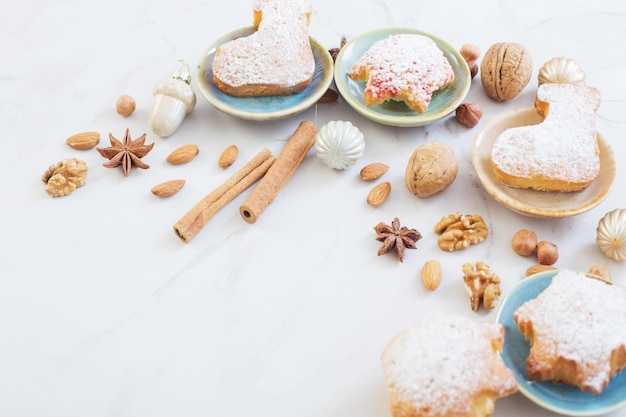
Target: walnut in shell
[(505, 70), (432, 168)]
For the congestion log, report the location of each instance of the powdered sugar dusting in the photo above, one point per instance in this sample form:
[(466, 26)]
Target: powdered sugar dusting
[(278, 53), (440, 363), (407, 67), (579, 319), (563, 146)]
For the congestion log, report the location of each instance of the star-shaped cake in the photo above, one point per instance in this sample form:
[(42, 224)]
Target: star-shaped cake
[(577, 331)]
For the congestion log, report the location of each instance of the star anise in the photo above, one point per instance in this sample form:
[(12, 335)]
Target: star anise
[(126, 153), (395, 237)]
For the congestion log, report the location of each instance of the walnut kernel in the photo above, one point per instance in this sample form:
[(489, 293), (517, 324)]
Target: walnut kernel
[(459, 231), (482, 285), (65, 177)]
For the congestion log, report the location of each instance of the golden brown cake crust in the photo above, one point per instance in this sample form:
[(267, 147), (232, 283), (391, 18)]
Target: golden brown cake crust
[(577, 332), (275, 60), (403, 67), (559, 154), (444, 366)]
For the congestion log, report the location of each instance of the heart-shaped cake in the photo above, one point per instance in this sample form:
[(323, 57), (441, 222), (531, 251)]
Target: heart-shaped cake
[(277, 59)]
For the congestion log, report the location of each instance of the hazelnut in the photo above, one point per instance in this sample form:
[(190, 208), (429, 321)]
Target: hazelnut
[(524, 242), (473, 67), (547, 253), (469, 52), (505, 70), (125, 105), (600, 271), (469, 114)]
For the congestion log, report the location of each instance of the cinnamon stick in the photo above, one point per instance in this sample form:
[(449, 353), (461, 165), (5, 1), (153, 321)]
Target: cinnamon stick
[(280, 172), (195, 219)]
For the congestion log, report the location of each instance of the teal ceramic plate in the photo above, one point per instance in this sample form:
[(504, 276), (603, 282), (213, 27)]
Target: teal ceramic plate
[(531, 202), (395, 113), (559, 398), (264, 108)]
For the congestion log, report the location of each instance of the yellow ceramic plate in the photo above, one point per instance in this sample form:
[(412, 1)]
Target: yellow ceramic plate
[(395, 113), (530, 202), (264, 108)]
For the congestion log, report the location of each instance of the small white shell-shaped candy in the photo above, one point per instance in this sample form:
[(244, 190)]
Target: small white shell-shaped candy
[(173, 99), (339, 144), (611, 234), (561, 70)]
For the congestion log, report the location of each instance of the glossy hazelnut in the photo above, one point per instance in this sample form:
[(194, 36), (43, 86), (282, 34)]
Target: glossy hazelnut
[(473, 67), (524, 242), (469, 114), (125, 105), (470, 52), (547, 253)]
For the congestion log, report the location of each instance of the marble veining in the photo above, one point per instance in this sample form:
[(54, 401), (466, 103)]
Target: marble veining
[(105, 312)]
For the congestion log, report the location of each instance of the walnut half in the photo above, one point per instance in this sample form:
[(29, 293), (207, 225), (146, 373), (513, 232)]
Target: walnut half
[(482, 284), (64, 177), (459, 231)]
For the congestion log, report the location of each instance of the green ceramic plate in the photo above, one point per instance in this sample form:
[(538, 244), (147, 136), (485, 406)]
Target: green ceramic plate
[(264, 108), (395, 113)]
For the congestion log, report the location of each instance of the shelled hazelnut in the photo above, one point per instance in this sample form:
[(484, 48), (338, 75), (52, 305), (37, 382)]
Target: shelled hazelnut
[(524, 242), (125, 105), (469, 114), (547, 253)]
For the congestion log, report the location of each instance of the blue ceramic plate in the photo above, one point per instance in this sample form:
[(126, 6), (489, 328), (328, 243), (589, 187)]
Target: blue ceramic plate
[(264, 108), (395, 113), (559, 398)]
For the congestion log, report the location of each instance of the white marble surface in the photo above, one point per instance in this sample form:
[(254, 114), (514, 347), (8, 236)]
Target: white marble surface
[(105, 312)]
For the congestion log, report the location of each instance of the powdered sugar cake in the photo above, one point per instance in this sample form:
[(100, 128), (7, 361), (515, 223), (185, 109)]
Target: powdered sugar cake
[(559, 154), (277, 59), (577, 331), (403, 67), (445, 365)]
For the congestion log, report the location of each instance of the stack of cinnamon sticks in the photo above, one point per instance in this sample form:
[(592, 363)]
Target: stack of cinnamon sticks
[(271, 172)]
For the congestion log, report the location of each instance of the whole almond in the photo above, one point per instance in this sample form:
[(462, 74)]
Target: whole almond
[(228, 157), (84, 140), (431, 275), (167, 188), (373, 171), (378, 195), (538, 268), (182, 154)]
